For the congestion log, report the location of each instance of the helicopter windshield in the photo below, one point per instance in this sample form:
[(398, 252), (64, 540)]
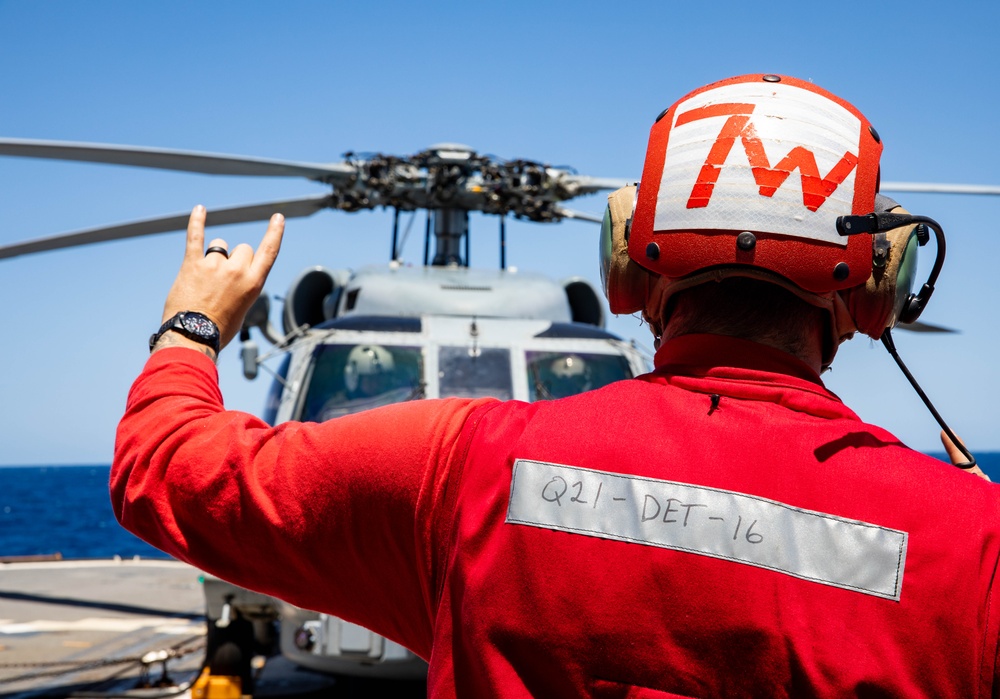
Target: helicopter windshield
[(350, 378), (559, 374), (475, 372)]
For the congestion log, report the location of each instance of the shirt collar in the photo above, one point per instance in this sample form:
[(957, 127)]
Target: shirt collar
[(746, 370)]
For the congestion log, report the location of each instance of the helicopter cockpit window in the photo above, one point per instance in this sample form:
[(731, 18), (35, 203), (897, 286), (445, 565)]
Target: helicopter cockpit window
[(475, 372), (560, 374), (273, 401), (350, 378)]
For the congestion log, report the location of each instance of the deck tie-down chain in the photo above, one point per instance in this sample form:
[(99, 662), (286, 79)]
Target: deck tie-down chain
[(67, 666)]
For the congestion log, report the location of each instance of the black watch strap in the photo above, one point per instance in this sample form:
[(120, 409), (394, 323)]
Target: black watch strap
[(192, 325)]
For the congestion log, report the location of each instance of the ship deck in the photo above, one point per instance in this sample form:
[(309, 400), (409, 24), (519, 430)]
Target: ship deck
[(99, 628)]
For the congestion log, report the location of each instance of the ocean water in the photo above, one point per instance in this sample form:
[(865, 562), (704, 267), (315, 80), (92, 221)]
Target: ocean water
[(67, 510)]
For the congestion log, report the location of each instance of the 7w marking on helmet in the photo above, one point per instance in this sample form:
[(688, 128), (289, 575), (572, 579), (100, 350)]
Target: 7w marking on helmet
[(815, 189)]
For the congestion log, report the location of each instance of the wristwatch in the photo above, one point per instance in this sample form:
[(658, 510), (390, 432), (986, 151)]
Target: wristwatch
[(192, 325)]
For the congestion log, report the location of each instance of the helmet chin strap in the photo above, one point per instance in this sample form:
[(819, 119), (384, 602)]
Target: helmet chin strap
[(891, 347)]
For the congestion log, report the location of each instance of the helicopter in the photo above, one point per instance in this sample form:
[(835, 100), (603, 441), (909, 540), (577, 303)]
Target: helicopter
[(355, 340)]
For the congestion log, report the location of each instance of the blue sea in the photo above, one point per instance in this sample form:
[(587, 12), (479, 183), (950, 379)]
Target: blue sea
[(66, 510)]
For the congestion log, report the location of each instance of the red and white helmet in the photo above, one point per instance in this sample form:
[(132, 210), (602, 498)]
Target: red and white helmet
[(747, 177)]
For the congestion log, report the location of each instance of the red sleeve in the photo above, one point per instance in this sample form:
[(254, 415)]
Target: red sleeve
[(991, 638), (346, 517)]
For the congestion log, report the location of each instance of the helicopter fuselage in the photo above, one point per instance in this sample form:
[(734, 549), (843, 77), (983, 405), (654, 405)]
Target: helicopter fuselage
[(391, 333)]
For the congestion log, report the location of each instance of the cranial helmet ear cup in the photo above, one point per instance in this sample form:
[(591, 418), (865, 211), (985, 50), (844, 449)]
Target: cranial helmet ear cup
[(877, 304), (626, 284)]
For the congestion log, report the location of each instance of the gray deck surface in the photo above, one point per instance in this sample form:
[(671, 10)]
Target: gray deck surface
[(79, 628)]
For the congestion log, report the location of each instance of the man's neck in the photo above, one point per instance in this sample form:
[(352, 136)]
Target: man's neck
[(808, 352)]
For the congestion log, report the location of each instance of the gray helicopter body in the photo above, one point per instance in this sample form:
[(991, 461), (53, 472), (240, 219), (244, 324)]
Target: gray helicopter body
[(450, 331)]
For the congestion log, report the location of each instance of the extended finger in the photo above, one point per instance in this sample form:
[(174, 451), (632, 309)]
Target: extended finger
[(270, 244), (948, 445), (954, 453), (196, 232), (956, 456)]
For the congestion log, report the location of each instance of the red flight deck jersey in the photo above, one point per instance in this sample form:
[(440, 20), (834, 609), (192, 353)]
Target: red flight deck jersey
[(721, 527)]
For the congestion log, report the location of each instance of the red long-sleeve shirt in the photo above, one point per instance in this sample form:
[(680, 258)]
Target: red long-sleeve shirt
[(754, 537)]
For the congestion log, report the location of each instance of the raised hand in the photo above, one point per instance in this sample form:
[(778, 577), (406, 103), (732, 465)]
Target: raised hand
[(219, 283)]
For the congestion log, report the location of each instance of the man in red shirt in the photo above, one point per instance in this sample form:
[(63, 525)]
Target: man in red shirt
[(721, 527)]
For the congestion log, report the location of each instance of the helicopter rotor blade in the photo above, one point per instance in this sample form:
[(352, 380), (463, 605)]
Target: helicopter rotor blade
[(938, 188), (580, 215), (291, 208), (170, 159), (921, 327), (583, 184)]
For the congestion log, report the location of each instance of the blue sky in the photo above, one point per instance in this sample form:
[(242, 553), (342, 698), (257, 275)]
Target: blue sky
[(566, 83)]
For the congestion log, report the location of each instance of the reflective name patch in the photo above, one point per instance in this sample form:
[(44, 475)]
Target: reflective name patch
[(811, 545)]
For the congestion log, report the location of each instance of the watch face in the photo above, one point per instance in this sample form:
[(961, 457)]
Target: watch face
[(198, 324)]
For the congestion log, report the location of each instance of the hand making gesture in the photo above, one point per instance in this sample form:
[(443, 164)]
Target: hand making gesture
[(217, 283)]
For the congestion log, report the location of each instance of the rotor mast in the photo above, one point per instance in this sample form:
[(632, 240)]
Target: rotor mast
[(449, 167), (451, 228)]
